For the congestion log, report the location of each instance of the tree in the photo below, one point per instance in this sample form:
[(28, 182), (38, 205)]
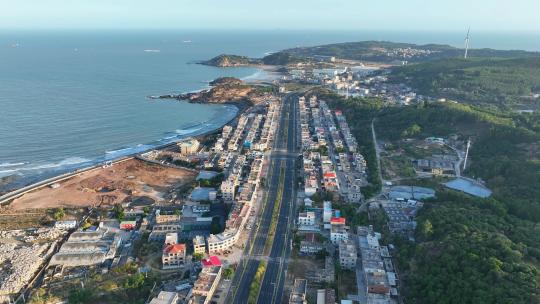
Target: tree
[(58, 214), (81, 296), (118, 211), (215, 227), (426, 229), (86, 225), (228, 273), (134, 281), (412, 131), (198, 256)]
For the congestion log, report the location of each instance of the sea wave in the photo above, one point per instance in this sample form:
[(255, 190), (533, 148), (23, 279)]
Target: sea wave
[(7, 172), (5, 165), (24, 167), (127, 151), (63, 163)]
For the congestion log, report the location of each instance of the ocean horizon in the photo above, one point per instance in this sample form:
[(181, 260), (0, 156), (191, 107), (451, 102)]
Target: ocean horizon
[(75, 98)]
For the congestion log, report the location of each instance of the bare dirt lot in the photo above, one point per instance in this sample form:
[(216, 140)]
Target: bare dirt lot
[(107, 186)]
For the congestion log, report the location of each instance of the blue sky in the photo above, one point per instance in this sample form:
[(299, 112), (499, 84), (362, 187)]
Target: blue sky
[(487, 15)]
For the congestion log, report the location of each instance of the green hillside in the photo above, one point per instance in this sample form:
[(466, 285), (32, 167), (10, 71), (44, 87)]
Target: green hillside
[(385, 51), (468, 250), (489, 81)]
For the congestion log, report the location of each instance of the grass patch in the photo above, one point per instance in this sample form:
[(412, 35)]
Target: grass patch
[(256, 284), (275, 212)]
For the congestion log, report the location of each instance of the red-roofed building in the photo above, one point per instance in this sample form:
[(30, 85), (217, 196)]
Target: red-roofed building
[(337, 221), (379, 289), (329, 175), (174, 256), (211, 261)]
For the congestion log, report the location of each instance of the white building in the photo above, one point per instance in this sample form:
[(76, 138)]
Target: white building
[(228, 190), (220, 242), (327, 212), (189, 146), (165, 297), (171, 238), (199, 245), (174, 256), (338, 230), (306, 218)]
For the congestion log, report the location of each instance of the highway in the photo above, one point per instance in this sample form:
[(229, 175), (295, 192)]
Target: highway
[(281, 179)]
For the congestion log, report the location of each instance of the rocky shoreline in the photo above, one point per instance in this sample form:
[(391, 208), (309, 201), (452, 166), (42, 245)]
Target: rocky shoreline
[(224, 90)]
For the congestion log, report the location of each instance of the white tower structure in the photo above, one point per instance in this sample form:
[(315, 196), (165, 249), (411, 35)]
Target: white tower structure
[(467, 40), (466, 154)]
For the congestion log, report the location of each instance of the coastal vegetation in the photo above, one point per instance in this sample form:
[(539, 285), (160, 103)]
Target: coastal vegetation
[(226, 60), (499, 82)]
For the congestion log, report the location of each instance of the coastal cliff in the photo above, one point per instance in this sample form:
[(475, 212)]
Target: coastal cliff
[(225, 90), (274, 59), (226, 60)]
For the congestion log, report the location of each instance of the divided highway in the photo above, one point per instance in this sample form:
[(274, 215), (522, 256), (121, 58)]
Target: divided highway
[(281, 179)]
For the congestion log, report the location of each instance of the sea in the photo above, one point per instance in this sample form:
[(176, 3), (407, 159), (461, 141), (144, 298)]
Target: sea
[(70, 99)]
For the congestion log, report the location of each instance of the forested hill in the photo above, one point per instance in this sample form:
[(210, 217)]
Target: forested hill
[(490, 81), (468, 250), (388, 52), (372, 51)]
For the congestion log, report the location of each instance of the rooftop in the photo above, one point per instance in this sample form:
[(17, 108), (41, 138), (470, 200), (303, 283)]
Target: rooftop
[(176, 248), (211, 261)]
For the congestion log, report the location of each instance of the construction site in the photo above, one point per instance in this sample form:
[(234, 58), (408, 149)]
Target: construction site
[(123, 181)]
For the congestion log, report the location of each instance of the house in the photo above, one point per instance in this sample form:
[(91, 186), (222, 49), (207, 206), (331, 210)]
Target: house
[(298, 293), (171, 238), (223, 241), (205, 286), (174, 256), (160, 231), (347, 255), (338, 230), (165, 297), (326, 296), (327, 212), (163, 217), (199, 245), (228, 189), (128, 225), (189, 146), (306, 218)]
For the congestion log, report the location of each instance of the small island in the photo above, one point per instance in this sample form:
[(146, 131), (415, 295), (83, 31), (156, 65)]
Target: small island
[(225, 60)]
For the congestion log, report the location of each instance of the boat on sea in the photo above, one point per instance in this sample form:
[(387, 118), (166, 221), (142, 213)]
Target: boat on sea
[(186, 41), (152, 51)]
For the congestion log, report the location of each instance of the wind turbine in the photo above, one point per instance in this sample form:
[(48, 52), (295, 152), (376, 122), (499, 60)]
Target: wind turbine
[(467, 40)]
